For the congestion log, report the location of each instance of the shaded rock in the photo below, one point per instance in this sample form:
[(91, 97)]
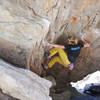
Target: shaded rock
[(23, 84), (51, 78), (63, 96), (64, 92), (6, 97)]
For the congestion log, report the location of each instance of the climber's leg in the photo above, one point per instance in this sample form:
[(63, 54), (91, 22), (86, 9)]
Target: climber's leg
[(53, 51), (63, 56), (54, 60)]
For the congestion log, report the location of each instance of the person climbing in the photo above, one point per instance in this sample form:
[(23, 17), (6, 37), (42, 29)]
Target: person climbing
[(67, 54)]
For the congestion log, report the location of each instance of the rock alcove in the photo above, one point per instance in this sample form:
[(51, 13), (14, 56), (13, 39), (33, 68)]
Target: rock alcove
[(25, 24)]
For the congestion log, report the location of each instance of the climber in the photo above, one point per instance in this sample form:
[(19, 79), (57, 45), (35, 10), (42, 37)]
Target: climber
[(67, 54)]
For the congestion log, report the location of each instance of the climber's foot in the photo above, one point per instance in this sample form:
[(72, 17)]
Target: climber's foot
[(47, 55), (44, 67), (71, 66)]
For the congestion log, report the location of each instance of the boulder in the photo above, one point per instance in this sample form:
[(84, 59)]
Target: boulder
[(52, 79), (88, 81), (21, 34), (6, 97), (23, 84)]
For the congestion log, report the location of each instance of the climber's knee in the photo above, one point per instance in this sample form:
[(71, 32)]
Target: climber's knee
[(54, 60)]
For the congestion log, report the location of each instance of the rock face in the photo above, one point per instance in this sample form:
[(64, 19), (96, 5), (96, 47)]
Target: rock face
[(25, 23), (23, 84), (6, 97), (20, 32)]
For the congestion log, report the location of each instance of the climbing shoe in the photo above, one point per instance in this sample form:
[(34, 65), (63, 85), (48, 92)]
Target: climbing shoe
[(71, 66), (46, 55), (44, 67)]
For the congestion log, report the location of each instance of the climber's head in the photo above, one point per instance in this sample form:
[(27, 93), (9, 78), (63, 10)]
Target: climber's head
[(72, 40)]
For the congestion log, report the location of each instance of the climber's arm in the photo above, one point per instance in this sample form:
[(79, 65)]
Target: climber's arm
[(56, 46), (86, 44)]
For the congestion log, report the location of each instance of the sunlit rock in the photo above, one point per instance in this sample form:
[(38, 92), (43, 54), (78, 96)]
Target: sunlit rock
[(93, 78), (20, 33), (23, 84)]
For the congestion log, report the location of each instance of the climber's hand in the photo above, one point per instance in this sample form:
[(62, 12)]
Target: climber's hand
[(86, 45), (45, 43), (49, 44)]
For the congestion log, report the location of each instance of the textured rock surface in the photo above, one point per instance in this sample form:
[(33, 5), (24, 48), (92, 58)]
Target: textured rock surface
[(23, 84), (20, 31), (50, 78), (25, 23), (6, 97), (66, 92)]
